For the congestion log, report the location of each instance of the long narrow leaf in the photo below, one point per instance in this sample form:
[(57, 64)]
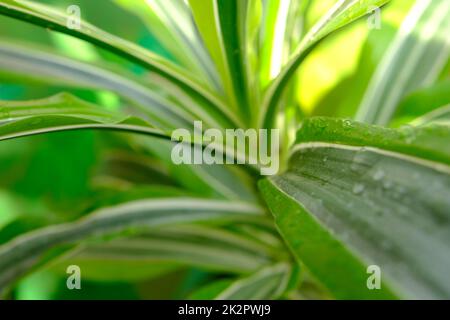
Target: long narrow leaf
[(37, 65), (275, 24), (44, 16), (222, 24), (172, 24), (415, 59), (204, 247), (22, 253), (440, 115), (269, 283), (342, 13), (63, 112)]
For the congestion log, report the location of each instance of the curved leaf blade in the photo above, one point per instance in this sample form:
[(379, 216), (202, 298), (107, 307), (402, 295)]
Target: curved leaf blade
[(172, 24), (54, 69), (269, 283), (346, 204), (415, 59), (46, 17), (426, 142), (223, 25), (208, 248), (440, 115), (273, 29), (22, 253), (64, 112), (422, 103), (341, 14)]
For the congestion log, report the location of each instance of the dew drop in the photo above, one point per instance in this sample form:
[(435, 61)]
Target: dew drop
[(360, 160), (348, 124), (409, 134), (354, 166), (321, 123), (378, 175)]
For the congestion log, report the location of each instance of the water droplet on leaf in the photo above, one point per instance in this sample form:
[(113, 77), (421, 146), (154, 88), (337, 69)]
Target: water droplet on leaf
[(378, 175)]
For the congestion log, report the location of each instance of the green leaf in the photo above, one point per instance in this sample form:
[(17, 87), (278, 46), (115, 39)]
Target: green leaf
[(209, 248), (337, 102), (268, 283), (225, 181), (223, 25), (48, 68), (112, 270), (22, 253), (440, 115), (341, 14), (47, 17), (422, 103), (427, 142), (415, 59), (64, 112), (60, 113), (172, 24), (279, 29), (275, 14), (211, 290), (351, 200)]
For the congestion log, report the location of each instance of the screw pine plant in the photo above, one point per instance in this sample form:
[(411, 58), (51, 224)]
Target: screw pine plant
[(364, 182)]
